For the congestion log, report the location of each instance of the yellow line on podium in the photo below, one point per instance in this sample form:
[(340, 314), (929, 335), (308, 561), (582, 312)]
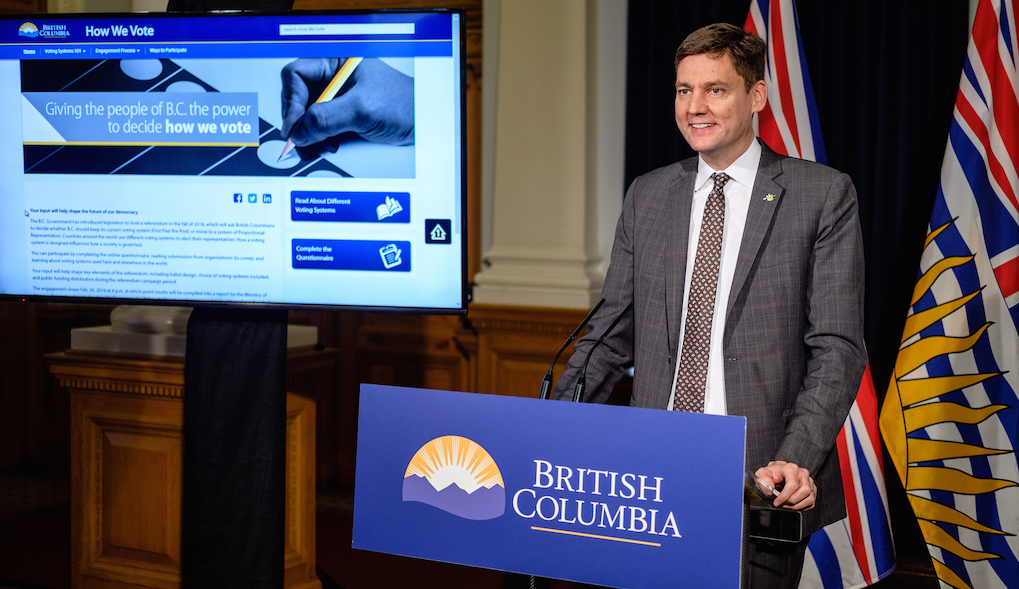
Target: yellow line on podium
[(595, 536)]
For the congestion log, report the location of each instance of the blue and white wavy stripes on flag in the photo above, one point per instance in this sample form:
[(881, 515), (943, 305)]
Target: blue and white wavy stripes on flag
[(856, 551), (951, 416)]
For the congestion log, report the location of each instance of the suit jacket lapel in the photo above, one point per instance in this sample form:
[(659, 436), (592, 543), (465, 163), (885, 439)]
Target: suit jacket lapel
[(681, 198), (764, 200)]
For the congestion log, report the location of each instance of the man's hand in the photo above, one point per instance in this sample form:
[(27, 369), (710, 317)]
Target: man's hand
[(377, 103), (798, 491)]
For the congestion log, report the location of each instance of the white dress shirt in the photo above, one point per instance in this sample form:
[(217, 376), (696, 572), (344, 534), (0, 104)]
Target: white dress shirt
[(737, 191)]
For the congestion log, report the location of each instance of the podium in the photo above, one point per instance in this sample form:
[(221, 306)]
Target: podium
[(607, 495), (126, 456)]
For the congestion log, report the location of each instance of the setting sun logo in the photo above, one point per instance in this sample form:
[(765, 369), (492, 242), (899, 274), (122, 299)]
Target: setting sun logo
[(457, 476), (28, 30)]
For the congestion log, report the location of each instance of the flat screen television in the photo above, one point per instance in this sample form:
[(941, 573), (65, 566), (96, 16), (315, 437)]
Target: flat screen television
[(297, 160)]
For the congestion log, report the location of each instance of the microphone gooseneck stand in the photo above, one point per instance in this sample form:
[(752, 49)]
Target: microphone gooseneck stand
[(578, 389)]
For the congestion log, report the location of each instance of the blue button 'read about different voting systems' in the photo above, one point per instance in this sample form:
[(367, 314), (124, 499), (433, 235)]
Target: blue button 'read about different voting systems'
[(336, 254), (350, 207), (614, 496)]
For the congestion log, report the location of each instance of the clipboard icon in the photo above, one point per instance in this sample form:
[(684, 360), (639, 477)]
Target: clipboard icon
[(390, 256)]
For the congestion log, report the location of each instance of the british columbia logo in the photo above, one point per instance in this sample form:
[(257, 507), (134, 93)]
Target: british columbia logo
[(28, 30), (47, 31), (458, 476)]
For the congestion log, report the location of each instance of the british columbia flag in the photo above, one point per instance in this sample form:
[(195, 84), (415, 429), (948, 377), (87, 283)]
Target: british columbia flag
[(856, 551), (951, 415)]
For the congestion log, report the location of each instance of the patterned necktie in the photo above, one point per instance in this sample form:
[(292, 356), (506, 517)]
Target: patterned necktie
[(700, 306)]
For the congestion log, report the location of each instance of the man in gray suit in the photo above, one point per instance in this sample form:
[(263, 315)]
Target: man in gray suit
[(777, 336)]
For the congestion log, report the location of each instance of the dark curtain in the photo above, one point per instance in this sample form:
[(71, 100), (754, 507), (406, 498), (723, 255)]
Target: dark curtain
[(885, 75), (234, 449), (655, 28)]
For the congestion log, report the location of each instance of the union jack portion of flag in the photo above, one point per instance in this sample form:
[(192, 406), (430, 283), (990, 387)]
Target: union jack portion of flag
[(951, 416), (788, 123), (856, 551)]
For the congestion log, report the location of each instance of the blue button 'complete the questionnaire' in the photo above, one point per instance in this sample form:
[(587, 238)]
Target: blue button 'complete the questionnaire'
[(338, 254)]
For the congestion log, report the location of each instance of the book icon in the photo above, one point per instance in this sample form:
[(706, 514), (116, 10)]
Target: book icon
[(389, 208)]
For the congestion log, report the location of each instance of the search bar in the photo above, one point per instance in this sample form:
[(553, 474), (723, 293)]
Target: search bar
[(349, 29)]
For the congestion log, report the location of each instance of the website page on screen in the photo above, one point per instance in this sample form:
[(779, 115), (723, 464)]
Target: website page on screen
[(305, 160)]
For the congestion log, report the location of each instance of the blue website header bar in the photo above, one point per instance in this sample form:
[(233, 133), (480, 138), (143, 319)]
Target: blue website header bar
[(396, 34)]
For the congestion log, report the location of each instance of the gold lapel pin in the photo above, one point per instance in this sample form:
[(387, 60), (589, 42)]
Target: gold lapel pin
[(770, 197)]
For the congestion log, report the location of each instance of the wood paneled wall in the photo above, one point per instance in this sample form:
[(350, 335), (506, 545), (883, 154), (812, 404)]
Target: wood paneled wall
[(22, 6), (34, 409)]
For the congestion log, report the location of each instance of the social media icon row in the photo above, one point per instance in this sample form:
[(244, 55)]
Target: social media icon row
[(252, 197)]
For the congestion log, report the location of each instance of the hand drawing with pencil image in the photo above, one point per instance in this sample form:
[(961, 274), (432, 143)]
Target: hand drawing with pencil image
[(321, 117), (364, 97)]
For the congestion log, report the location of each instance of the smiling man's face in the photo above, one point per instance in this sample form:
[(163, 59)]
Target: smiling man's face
[(714, 110)]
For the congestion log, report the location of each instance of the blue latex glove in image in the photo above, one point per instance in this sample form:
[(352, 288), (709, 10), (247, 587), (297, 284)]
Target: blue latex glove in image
[(375, 103)]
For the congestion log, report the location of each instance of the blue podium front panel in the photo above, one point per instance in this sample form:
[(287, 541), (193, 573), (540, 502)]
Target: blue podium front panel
[(599, 494)]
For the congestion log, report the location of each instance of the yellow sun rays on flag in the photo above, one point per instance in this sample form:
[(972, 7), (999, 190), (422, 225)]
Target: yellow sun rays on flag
[(914, 404)]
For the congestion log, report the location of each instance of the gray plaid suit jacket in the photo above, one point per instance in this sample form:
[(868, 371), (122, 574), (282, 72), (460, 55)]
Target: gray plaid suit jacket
[(793, 337)]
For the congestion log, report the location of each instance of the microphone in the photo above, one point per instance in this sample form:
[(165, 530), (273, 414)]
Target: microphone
[(546, 383), (578, 389)]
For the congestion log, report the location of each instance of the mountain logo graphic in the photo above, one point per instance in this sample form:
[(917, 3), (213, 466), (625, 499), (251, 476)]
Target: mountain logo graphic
[(458, 476)]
